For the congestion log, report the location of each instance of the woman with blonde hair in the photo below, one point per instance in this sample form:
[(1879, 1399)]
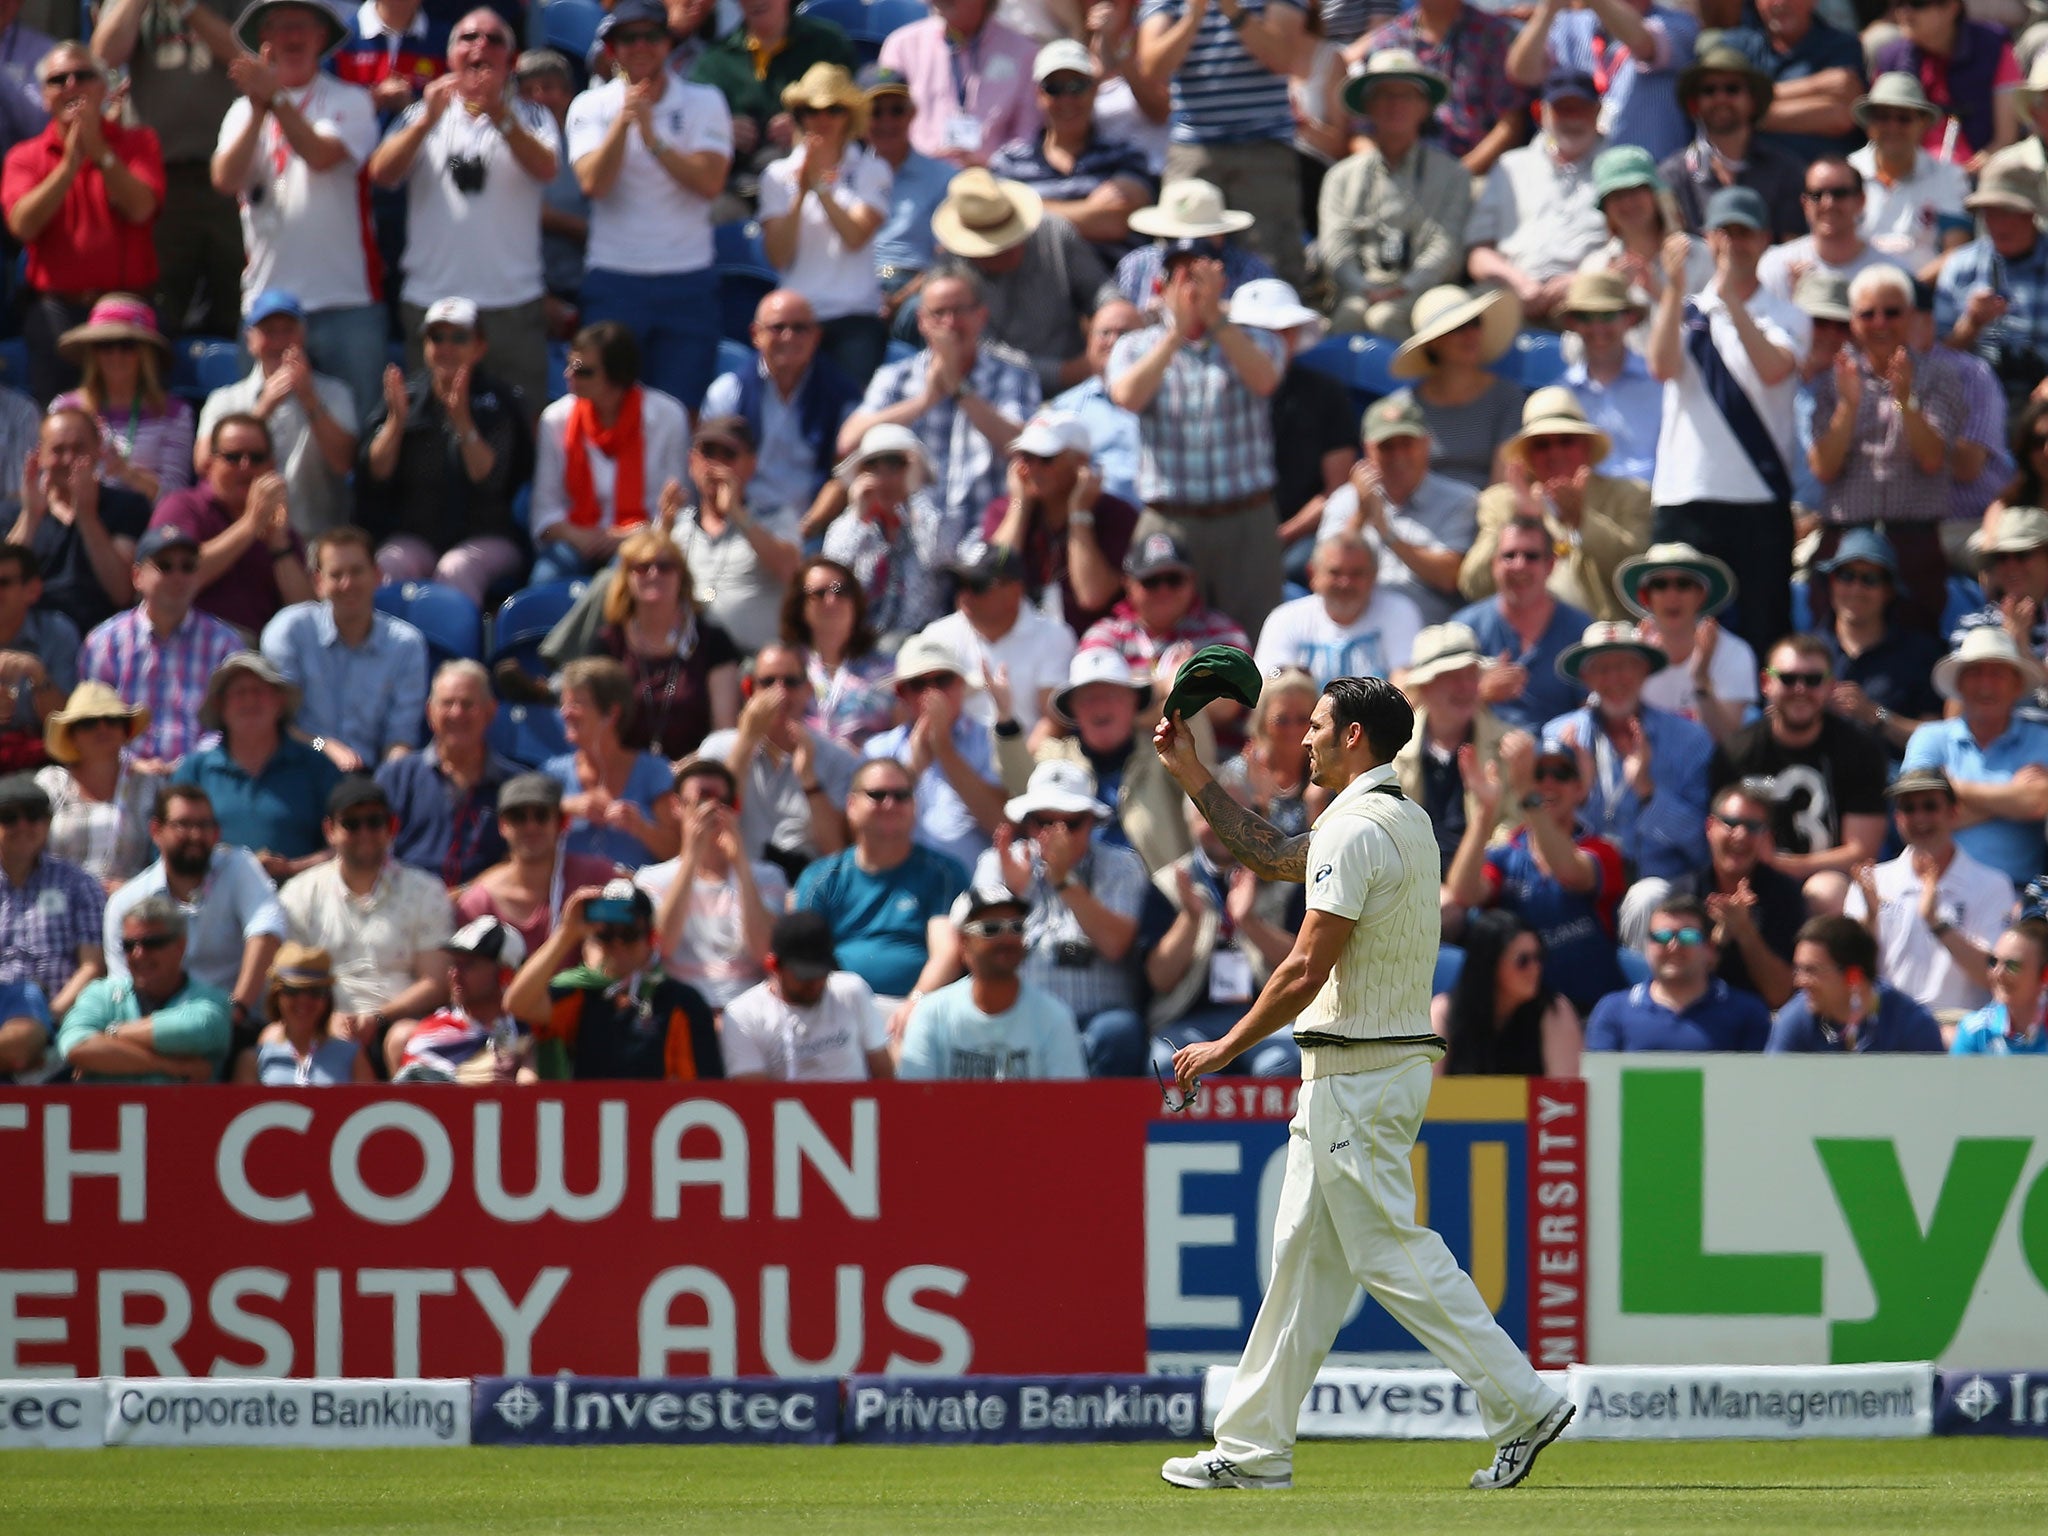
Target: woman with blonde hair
[(684, 669), (295, 1050), (145, 431), (618, 802), (821, 207), (1273, 768), (99, 806)]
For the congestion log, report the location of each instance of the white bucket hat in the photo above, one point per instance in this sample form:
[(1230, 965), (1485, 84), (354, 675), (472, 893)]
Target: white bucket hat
[(1063, 787), (1271, 304), (1098, 664), (1987, 642), (885, 439)]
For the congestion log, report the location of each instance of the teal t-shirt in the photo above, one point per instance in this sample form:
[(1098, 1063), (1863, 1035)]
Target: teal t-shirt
[(878, 920)]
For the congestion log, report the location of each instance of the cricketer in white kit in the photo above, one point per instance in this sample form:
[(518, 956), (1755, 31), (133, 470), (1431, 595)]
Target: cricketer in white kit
[(1356, 987)]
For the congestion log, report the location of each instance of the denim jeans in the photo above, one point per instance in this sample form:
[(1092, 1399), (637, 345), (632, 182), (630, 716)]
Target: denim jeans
[(353, 345), (674, 318), (1113, 1043)]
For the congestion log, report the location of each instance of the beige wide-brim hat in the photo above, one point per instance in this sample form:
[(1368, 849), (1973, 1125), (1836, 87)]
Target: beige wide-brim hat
[(1554, 411), (1394, 64), (115, 317), (2026, 97), (984, 215), (256, 665), (1443, 648), (2016, 188), (2020, 529), (1709, 572), (829, 85), (1894, 88), (1189, 210), (1987, 642), (89, 701), (1444, 310), (1607, 637)]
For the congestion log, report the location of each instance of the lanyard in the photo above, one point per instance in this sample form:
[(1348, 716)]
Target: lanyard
[(961, 77)]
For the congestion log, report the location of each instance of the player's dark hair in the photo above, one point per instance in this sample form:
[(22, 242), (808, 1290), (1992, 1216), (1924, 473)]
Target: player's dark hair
[(1848, 942), (1376, 706), (1480, 1043)]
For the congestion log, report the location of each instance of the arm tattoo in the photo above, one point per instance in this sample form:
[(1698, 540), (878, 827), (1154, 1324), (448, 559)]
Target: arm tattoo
[(1260, 846)]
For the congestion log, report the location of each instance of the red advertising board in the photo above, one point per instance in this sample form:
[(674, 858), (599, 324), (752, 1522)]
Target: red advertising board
[(1556, 1214), (622, 1230)]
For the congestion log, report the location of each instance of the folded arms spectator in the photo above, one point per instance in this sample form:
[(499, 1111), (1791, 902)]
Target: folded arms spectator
[(158, 1024)]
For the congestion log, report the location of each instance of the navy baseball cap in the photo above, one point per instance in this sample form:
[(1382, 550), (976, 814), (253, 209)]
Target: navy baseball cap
[(274, 301), (880, 80), (1561, 82), (162, 537), (1736, 205), (1866, 545), (627, 12)]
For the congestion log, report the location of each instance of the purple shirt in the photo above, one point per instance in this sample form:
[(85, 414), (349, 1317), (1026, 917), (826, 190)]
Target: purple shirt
[(987, 79), (168, 676), (245, 594), (1474, 57)]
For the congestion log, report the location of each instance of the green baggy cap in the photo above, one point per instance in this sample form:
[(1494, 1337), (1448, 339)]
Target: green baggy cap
[(1213, 672)]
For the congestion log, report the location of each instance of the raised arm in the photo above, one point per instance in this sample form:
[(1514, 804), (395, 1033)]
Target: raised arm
[(1260, 846)]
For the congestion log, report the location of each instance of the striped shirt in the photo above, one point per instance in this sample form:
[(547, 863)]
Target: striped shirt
[(1206, 438), (1221, 94), (167, 676), (44, 922)]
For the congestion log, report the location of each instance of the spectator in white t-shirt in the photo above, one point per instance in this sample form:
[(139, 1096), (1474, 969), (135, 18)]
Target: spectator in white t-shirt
[(476, 162), (1004, 639), (1346, 627), (821, 207), (291, 151), (1676, 591), (607, 457), (809, 1021), (652, 152), (714, 907)]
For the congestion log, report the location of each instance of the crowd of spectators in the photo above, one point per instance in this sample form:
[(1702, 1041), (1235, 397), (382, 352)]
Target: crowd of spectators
[(1726, 639)]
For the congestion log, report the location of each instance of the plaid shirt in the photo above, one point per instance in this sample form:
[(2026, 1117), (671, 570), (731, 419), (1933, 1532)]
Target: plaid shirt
[(904, 578), (1206, 438), (1474, 57), (966, 470), (44, 920), (167, 676), (1113, 876), (2021, 281), (1200, 626), (1880, 481)]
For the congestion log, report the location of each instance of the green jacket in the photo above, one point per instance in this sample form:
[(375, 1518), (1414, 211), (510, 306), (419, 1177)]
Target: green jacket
[(729, 66), (195, 1022)]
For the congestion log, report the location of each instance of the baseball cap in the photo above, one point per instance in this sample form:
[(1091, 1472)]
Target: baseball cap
[(627, 12), (489, 939), (1062, 55), (274, 301), (1395, 415), (524, 789), (801, 943), (1053, 432), (733, 431), (980, 563), (922, 655), (21, 792), (621, 901), (1736, 205), (460, 313), (984, 896), (1866, 545), (1561, 82), (358, 789), (880, 80), (162, 537), (1154, 553)]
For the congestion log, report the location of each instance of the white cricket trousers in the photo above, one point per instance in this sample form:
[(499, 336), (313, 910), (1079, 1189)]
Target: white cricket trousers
[(1347, 1218)]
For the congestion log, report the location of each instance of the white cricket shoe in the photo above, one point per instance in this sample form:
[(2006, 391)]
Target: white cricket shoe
[(1514, 1459), (1213, 1469)]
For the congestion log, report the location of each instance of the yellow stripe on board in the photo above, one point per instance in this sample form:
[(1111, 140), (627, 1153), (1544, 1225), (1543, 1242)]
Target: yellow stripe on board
[(1479, 1098)]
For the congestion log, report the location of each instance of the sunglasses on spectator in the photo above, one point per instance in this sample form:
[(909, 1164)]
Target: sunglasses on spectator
[(526, 816), (1066, 85), (804, 114), (790, 680), (1722, 88), (1862, 577), (150, 941), (651, 567), (1800, 679), (924, 684), (719, 453), (1064, 823), (1888, 312), (1163, 581), (626, 37), (887, 461), (1747, 824), (100, 722), (1594, 316), (354, 824), (118, 344), (58, 79), (1831, 194), (2007, 965), (1551, 444), (786, 327), (1558, 771), (890, 796), (610, 933), (832, 591), (10, 818), (1670, 584), (1684, 937), (994, 927), (242, 457)]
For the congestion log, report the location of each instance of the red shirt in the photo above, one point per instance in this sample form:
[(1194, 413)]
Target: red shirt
[(88, 247)]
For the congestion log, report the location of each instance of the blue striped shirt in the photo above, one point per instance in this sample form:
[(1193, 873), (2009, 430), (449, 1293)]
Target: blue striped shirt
[(1221, 94)]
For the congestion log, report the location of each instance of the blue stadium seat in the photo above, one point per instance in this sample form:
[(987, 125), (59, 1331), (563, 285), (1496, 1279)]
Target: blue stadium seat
[(1536, 359), (1802, 607), (14, 363), (745, 276), (525, 619), (571, 26), (1964, 597), (202, 364), (1450, 965), (734, 356), (737, 246), (1363, 364), (448, 619), (1634, 968), (527, 734)]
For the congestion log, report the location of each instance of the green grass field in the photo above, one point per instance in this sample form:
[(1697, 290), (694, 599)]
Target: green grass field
[(1974, 1486)]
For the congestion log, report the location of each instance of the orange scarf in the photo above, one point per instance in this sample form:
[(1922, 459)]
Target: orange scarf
[(622, 444)]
